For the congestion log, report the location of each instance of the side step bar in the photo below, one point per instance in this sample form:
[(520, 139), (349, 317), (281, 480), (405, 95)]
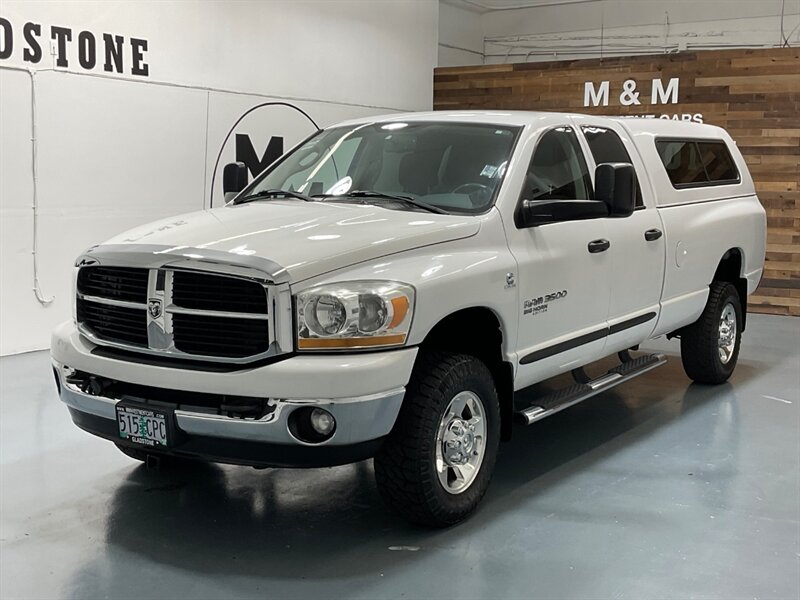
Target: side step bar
[(564, 398)]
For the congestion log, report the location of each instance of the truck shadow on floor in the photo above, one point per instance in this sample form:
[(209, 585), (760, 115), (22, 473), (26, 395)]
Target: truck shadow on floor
[(326, 524)]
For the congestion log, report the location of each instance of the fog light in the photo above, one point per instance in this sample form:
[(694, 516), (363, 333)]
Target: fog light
[(322, 421), (312, 425)]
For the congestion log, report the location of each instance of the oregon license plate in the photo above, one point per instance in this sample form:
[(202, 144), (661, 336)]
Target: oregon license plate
[(143, 425)]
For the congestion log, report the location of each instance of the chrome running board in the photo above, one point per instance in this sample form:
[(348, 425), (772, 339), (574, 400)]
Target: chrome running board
[(569, 396)]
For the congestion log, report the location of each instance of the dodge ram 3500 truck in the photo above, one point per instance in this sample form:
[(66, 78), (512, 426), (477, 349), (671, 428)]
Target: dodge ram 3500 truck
[(384, 288)]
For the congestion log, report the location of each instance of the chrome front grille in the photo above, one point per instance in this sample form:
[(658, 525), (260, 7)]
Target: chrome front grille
[(195, 314)]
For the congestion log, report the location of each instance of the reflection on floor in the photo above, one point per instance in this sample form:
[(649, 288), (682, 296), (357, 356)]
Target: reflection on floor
[(655, 489)]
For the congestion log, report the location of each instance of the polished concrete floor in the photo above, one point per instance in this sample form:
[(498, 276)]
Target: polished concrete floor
[(658, 489)]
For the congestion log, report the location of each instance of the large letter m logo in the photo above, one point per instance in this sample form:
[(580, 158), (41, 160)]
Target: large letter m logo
[(593, 97), (247, 154)]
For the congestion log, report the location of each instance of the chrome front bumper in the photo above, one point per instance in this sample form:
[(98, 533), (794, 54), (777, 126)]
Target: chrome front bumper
[(358, 419), (361, 425), (363, 392)]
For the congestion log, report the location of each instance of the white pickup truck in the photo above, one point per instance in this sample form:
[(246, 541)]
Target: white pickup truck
[(384, 289)]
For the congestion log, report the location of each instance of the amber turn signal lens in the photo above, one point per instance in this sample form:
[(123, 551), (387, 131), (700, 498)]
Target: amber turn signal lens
[(354, 342), (400, 308)]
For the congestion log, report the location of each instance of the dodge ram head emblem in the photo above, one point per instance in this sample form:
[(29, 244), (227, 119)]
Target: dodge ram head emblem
[(154, 308)]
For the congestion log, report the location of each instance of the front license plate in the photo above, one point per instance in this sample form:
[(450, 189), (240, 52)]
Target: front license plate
[(143, 426)]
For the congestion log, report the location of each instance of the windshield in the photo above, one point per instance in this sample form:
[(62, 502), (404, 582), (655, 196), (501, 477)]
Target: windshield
[(454, 167)]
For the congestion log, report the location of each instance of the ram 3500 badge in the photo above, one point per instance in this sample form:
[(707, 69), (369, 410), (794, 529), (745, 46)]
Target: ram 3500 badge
[(383, 289)]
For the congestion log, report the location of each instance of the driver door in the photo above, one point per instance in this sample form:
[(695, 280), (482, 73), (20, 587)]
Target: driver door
[(563, 270)]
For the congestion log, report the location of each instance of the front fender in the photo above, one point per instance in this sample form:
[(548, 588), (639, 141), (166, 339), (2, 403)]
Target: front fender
[(449, 277)]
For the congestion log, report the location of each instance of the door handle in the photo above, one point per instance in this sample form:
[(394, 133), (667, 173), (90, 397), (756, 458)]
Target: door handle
[(596, 246), (652, 235)]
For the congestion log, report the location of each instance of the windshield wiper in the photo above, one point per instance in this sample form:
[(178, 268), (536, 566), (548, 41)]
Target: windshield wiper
[(398, 197), (275, 194)]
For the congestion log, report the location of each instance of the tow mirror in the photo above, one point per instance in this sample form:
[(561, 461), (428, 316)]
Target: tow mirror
[(615, 184), (234, 179)]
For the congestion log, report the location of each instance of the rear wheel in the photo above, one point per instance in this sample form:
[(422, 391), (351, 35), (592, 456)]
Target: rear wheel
[(436, 464), (710, 346)]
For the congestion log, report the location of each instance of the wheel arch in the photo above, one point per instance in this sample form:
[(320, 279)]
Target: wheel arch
[(731, 269), (478, 331)]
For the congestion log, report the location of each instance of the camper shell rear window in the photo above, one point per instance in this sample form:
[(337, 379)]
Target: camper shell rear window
[(692, 163)]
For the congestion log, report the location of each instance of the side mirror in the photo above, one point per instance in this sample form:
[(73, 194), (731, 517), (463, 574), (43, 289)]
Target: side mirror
[(540, 212), (615, 184), (234, 179)]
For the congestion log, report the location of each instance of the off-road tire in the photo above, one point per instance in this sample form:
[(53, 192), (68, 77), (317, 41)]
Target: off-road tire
[(700, 340), (405, 466)]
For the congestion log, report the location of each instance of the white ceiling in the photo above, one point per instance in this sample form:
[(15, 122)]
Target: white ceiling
[(485, 6)]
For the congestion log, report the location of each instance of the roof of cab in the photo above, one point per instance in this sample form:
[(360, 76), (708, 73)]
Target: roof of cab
[(524, 117), (493, 117)]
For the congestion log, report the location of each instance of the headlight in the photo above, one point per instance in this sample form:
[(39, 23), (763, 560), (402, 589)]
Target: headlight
[(351, 315)]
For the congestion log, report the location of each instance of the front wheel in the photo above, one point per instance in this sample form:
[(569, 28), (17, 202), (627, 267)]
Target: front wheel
[(710, 346), (436, 464)]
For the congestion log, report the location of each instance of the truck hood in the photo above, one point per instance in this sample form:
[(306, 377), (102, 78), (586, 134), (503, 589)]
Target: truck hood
[(306, 239)]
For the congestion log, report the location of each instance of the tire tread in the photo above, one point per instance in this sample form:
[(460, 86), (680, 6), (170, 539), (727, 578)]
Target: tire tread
[(404, 479), (699, 350)]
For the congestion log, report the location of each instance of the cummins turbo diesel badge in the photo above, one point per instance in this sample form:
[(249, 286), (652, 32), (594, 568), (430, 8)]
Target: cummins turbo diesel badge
[(535, 306)]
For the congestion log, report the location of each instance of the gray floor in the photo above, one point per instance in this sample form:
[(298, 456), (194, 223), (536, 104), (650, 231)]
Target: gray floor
[(658, 489)]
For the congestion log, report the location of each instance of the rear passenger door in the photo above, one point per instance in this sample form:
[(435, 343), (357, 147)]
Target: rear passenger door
[(637, 250)]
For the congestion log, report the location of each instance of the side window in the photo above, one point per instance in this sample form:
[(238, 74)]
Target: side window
[(607, 147), (682, 162), (718, 162), (557, 170), (692, 163)]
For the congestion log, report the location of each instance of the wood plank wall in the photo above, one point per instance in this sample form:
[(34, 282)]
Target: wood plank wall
[(754, 94)]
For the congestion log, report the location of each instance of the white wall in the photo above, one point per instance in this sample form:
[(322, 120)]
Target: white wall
[(594, 28), (116, 150), (460, 35)]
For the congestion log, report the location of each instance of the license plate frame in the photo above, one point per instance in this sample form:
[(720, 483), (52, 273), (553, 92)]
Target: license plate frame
[(155, 424)]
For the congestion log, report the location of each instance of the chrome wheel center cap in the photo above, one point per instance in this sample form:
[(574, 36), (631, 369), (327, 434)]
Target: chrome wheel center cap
[(459, 442), (727, 333)]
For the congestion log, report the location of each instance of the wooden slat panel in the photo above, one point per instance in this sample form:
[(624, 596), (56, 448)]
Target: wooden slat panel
[(754, 94)]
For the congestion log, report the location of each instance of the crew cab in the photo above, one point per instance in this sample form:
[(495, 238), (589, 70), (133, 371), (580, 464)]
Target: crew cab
[(387, 287)]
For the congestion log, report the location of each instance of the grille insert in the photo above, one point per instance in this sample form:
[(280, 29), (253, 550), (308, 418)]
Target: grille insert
[(217, 292), (220, 336), (114, 323), (115, 283)]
